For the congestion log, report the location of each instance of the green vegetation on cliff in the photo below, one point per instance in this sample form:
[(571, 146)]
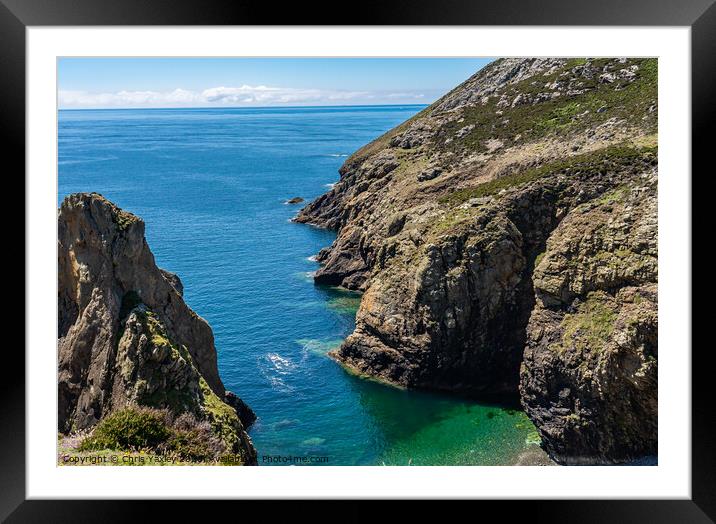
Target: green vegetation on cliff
[(156, 359), (132, 428), (570, 100), (223, 418), (156, 433), (591, 326), (619, 158)]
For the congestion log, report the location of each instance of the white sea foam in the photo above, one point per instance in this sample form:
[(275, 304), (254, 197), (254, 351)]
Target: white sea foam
[(272, 378), (281, 364), (85, 160), (273, 368), (306, 276), (277, 383)]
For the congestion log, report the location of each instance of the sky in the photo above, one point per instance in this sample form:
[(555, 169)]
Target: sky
[(91, 83)]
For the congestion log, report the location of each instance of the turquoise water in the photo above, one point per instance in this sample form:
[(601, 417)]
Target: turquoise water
[(211, 185)]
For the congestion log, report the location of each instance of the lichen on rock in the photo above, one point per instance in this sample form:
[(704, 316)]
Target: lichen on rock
[(589, 376)]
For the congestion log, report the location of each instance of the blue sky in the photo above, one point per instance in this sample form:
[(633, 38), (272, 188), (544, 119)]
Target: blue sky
[(247, 82)]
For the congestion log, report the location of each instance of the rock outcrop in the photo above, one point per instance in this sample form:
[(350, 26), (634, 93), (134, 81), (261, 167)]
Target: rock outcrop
[(126, 336), (591, 357), (489, 229)]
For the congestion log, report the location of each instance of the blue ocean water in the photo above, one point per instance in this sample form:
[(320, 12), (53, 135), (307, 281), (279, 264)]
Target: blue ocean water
[(211, 186)]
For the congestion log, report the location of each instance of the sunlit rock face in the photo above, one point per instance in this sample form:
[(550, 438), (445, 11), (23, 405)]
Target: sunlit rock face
[(488, 229)]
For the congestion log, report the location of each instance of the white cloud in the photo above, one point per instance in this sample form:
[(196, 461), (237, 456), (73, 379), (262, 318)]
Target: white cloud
[(244, 95), (126, 98), (408, 96)]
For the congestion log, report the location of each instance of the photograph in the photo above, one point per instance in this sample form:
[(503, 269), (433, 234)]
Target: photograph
[(357, 261), (424, 253)]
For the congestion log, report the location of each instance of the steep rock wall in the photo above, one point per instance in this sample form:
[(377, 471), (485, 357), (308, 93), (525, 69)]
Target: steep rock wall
[(126, 336), (442, 220)]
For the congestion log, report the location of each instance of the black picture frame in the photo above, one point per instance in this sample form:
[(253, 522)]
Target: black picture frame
[(699, 15)]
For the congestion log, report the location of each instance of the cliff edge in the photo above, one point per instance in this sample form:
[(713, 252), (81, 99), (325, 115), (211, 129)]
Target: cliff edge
[(126, 337), (505, 241)]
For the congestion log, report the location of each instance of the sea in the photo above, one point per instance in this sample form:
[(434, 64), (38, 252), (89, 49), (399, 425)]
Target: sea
[(211, 185)]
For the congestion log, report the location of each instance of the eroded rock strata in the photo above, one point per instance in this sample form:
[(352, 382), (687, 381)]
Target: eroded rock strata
[(126, 336), (505, 241)]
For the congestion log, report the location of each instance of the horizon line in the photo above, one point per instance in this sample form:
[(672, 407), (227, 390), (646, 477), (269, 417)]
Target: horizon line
[(232, 107)]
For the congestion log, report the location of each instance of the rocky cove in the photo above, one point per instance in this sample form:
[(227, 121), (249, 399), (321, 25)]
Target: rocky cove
[(502, 242), (132, 394), (505, 239)]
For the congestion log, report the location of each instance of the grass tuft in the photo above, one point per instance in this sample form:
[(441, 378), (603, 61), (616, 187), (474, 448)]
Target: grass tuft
[(591, 326)]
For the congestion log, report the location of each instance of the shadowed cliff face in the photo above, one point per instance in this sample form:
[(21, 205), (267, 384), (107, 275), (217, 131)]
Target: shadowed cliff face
[(126, 337), (442, 221)]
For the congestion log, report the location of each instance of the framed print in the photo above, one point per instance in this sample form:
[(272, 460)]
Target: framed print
[(429, 254)]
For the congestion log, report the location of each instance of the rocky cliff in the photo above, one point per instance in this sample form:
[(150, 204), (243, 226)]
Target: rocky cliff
[(505, 241), (126, 336)]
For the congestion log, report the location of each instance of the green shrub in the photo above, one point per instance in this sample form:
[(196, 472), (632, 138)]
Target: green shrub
[(153, 430), (193, 440), (189, 445), (132, 428)]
